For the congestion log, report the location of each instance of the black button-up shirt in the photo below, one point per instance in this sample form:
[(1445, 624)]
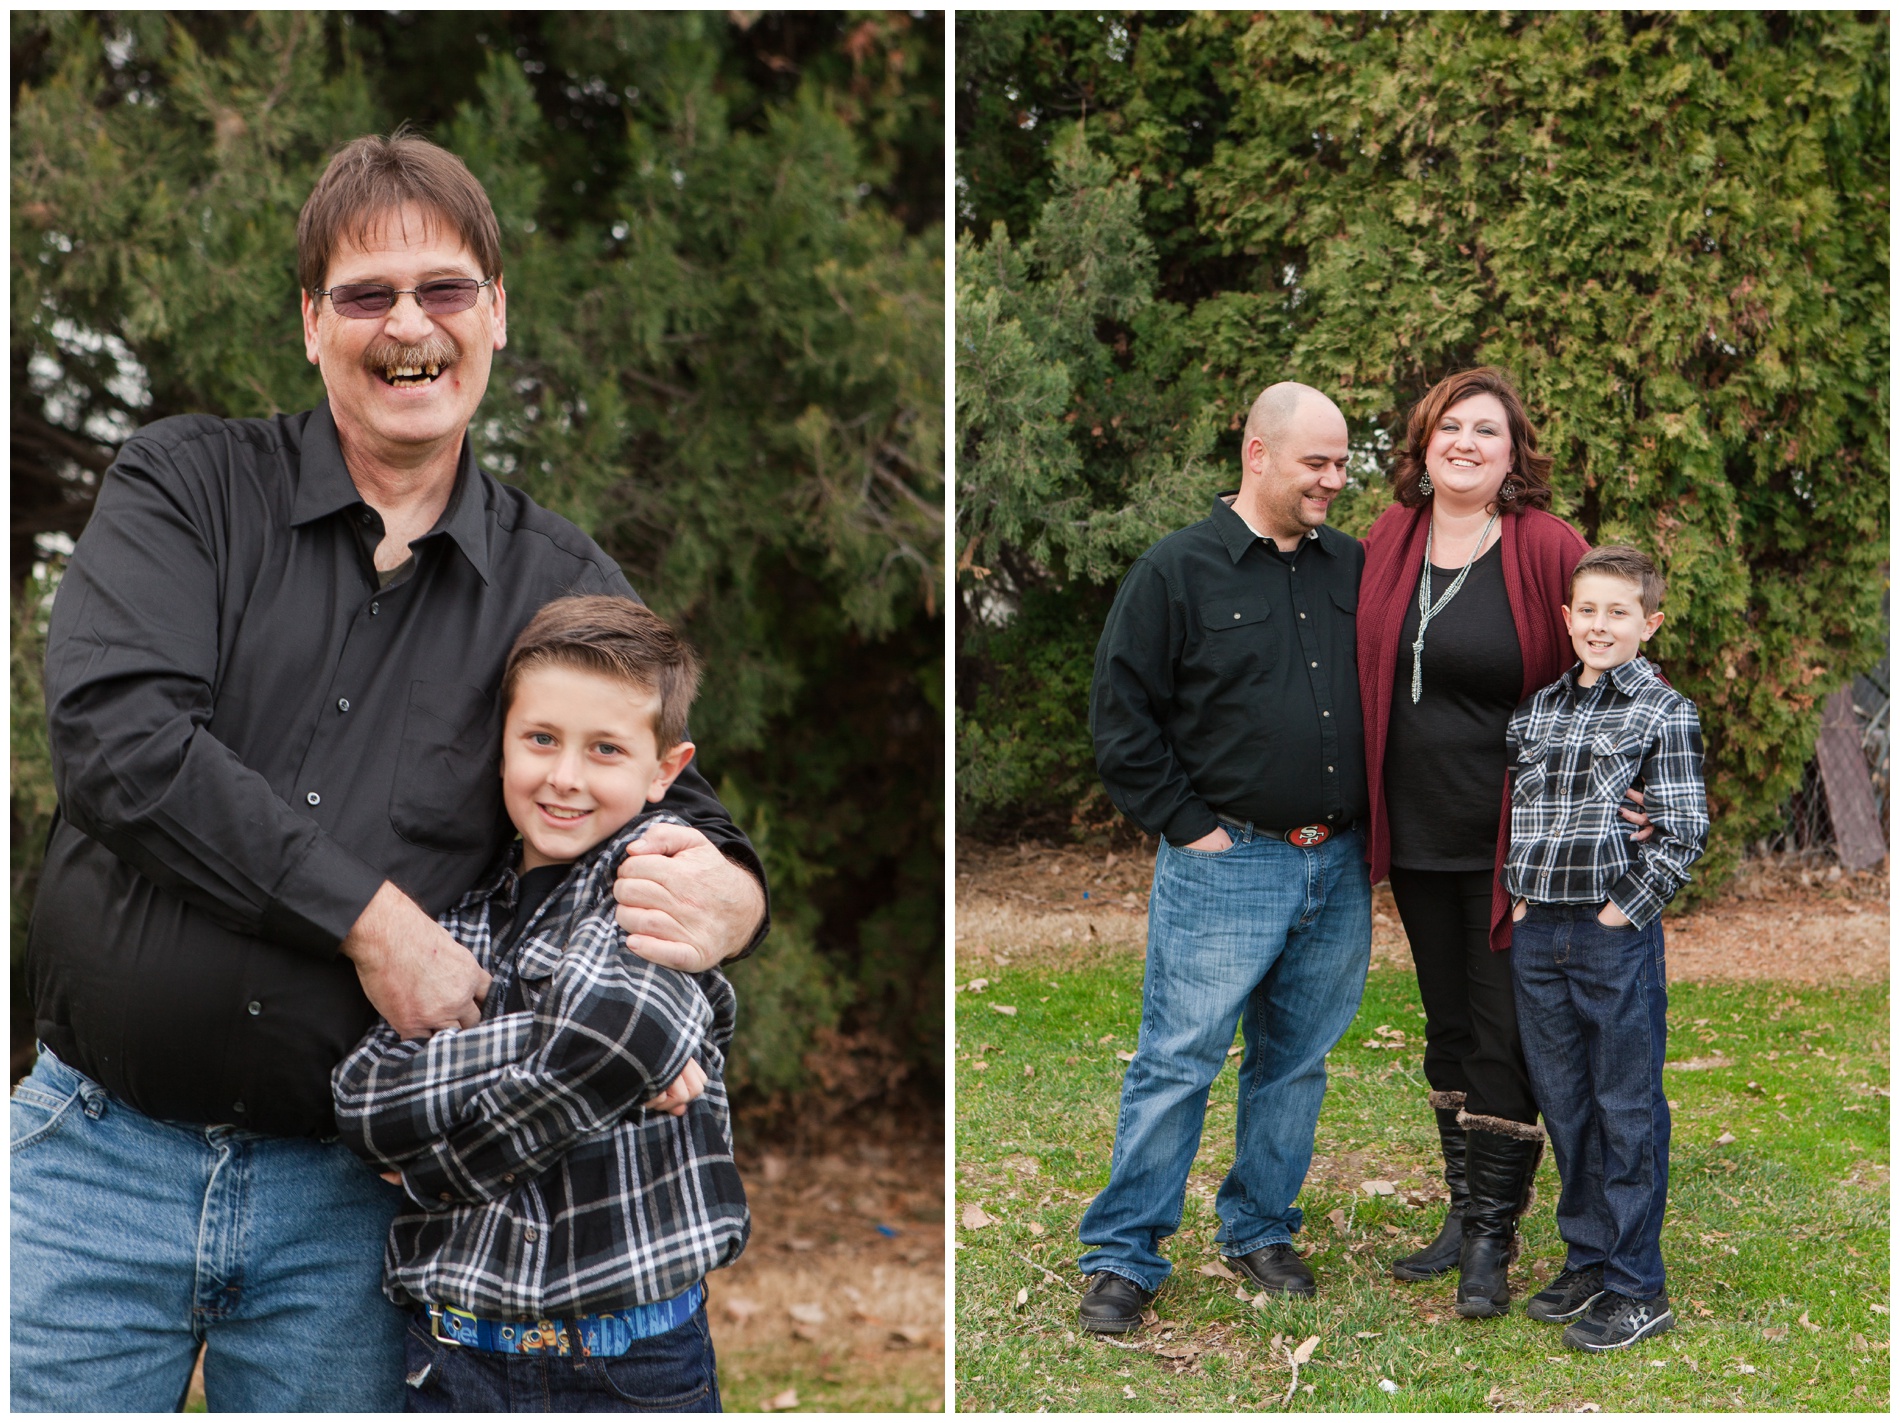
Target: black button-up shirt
[(1226, 682), (250, 733)]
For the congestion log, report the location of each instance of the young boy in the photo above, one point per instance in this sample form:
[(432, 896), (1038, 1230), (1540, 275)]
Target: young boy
[(1587, 952), (567, 1190)]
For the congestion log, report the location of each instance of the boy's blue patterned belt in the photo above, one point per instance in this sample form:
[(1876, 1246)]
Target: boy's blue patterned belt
[(604, 1335)]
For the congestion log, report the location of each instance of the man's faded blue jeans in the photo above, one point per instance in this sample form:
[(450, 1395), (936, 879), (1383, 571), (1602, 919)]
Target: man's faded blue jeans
[(134, 1240), (1272, 937)]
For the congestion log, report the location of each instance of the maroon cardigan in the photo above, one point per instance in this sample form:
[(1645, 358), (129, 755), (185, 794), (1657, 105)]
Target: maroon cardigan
[(1540, 550)]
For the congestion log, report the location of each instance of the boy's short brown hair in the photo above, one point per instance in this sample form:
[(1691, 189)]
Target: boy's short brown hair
[(1632, 565), (372, 176), (617, 638)]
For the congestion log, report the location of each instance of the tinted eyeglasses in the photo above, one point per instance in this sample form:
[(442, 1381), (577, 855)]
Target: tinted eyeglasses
[(366, 300)]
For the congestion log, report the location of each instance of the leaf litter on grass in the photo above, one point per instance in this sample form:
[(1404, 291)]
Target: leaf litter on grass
[(1763, 1197)]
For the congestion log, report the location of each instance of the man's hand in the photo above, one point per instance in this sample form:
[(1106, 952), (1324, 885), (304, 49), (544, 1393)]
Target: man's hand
[(1523, 908), (1213, 842), (1636, 817), (1611, 917), (689, 1084), (682, 904), (412, 971)]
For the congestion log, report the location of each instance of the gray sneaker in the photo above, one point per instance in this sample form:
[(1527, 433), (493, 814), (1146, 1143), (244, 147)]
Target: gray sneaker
[(1616, 1321), (1567, 1296)]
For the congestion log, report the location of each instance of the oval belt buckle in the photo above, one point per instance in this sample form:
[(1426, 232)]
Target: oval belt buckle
[(1305, 837)]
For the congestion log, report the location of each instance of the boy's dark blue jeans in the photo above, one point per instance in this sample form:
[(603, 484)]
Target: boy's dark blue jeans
[(672, 1372), (1591, 1004)]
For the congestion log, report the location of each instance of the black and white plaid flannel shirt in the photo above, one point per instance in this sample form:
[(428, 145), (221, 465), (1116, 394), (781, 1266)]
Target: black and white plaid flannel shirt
[(540, 1187), (1574, 751)]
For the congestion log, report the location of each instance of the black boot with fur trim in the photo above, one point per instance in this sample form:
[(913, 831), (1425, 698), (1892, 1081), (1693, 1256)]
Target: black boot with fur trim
[(1441, 1256), (1501, 1158)]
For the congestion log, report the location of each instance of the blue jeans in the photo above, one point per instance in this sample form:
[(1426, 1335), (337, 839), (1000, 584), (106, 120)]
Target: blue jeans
[(1591, 1006), (672, 1372), (133, 1240), (1279, 939)]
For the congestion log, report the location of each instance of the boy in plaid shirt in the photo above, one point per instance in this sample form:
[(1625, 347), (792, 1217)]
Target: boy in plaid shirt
[(1587, 950), (568, 1160)]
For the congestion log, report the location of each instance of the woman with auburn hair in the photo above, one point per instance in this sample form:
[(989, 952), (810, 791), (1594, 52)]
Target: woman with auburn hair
[(1459, 620)]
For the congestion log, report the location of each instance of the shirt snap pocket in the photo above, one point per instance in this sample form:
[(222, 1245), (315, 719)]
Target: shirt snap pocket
[(446, 794), (1238, 634)]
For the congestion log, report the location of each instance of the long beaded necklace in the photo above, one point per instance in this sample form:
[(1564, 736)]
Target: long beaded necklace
[(1427, 609)]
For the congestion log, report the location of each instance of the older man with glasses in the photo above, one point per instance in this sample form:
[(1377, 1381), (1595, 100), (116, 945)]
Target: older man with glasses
[(270, 683)]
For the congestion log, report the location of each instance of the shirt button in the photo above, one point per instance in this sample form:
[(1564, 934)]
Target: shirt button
[(445, 1198), (1325, 713), (1236, 617), (343, 703), (314, 798), (1329, 768), (237, 1106), (1302, 617), (507, 1178), (367, 517), (375, 608), (531, 1235), (1310, 664), (254, 1007)]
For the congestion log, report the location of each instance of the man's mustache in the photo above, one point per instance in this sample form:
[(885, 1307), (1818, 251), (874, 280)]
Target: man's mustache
[(439, 350)]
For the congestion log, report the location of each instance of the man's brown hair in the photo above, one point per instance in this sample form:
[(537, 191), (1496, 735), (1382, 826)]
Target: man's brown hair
[(617, 638), (1632, 565), (372, 177), (1530, 471)]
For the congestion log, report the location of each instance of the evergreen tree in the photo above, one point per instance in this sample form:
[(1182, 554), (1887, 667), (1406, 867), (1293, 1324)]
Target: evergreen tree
[(1671, 229), (722, 241)]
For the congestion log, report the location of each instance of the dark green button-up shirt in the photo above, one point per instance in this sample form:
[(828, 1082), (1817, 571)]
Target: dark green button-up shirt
[(1225, 682)]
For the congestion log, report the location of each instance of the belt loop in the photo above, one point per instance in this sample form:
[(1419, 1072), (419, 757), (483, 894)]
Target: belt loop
[(93, 1098)]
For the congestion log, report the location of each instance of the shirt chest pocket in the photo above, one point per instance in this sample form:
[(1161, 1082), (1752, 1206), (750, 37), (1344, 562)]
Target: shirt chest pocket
[(1614, 764), (1238, 636), (1528, 775), (447, 792)]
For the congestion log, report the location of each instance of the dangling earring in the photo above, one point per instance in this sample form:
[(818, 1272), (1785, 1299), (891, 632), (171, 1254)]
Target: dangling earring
[(1425, 484), (1507, 491)]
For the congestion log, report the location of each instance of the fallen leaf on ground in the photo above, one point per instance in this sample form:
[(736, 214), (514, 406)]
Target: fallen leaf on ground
[(976, 985), (807, 1313), (1125, 1056), (1128, 1390), (1808, 1324), (1217, 1270), (1378, 1188), (1305, 1351), (1035, 1227), (1780, 1331), (1744, 1368), (739, 1310), (1005, 1009), (1022, 1297), (1725, 1138), (1338, 1218), (779, 1402), (1234, 1051), (975, 1217), (908, 1334)]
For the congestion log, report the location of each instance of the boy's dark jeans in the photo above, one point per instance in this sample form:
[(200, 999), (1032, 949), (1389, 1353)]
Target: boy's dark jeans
[(669, 1373), (1590, 1008)]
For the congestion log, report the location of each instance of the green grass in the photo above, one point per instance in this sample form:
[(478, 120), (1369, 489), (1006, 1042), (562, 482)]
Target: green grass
[(1776, 1242)]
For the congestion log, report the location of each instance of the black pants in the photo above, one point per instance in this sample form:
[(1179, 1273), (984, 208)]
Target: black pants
[(1471, 1040)]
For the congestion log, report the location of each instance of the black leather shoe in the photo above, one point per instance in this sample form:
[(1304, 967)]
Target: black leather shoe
[(1277, 1269), (1113, 1305)]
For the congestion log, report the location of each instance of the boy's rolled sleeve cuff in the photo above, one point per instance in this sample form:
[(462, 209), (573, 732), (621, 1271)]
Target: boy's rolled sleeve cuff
[(1640, 903)]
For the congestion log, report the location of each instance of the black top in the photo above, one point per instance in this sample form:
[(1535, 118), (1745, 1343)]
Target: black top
[(1225, 682), (249, 736), (1444, 758)]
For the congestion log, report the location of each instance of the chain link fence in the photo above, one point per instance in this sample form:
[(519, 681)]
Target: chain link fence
[(1805, 829)]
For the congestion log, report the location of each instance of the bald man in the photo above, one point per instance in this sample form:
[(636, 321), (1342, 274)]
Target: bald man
[(1225, 712)]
